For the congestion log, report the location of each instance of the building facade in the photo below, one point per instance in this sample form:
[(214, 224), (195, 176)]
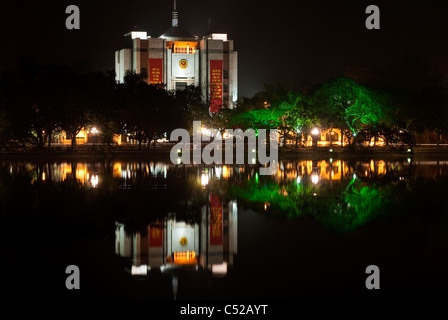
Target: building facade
[(177, 59)]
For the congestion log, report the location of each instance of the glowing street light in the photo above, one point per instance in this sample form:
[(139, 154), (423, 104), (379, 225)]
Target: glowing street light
[(315, 131), (205, 131)]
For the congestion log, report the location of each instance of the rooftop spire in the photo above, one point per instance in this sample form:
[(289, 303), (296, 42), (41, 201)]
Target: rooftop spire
[(175, 17)]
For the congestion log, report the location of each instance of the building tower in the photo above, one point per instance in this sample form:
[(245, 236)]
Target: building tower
[(178, 58)]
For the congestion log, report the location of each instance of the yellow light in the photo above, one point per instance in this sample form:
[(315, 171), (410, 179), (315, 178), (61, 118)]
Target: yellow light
[(185, 257), (226, 135), (43, 176), (225, 172)]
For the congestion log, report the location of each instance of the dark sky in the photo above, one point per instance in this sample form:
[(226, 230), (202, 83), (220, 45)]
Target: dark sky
[(290, 42)]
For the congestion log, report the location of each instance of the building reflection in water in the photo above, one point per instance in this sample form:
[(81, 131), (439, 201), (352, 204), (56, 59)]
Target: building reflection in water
[(209, 244)]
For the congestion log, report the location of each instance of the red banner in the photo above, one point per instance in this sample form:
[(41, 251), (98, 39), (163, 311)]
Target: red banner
[(215, 221), (215, 85), (155, 71), (155, 237)]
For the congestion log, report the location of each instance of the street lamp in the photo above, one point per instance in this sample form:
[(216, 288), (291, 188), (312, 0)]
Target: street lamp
[(315, 136), (315, 131)]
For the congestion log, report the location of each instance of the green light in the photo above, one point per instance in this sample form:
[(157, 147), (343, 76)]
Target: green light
[(331, 160), (358, 203)]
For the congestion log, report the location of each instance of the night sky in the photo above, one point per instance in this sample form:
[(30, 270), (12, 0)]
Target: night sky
[(295, 43)]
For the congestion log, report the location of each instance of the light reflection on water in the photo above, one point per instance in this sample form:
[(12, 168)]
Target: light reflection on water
[(323, 170), (201, 207)]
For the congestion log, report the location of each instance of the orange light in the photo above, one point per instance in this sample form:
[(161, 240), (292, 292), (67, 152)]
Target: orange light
[(225, 172), (185, 257)]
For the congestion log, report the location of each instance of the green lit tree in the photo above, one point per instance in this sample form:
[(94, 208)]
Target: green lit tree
[(298, 115), (347, 104)]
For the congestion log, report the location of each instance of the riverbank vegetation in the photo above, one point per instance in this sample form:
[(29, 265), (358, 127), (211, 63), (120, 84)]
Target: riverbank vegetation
[(45, 105)]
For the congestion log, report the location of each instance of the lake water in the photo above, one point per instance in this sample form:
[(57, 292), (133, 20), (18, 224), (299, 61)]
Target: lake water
[(151, 229)]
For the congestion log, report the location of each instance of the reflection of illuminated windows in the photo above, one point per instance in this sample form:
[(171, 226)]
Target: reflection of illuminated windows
[(315, 178), (94, 180), (219, 269), (218, 172), (225, 172), (204, 179), (139, 270), (185, 257)]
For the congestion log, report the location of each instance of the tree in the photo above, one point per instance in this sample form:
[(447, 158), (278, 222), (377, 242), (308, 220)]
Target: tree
[(75, 105), (149, 111), (298, 115), (348, 104), (433, 110), (190, 107), (18, 92)]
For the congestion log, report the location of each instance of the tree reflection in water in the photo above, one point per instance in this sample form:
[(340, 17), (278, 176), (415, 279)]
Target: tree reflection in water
[(51, 206), (339, 195)]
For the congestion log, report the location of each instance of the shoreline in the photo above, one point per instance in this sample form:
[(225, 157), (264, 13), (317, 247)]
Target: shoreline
[(164, 154)]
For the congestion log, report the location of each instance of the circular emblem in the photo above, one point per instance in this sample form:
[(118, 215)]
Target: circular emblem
[(183, 64), (183, 241)]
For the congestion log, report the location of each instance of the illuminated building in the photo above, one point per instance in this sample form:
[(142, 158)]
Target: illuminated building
[(178, 59), (210, 244)]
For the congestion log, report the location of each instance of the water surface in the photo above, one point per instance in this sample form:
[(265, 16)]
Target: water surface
[(151, 229)]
